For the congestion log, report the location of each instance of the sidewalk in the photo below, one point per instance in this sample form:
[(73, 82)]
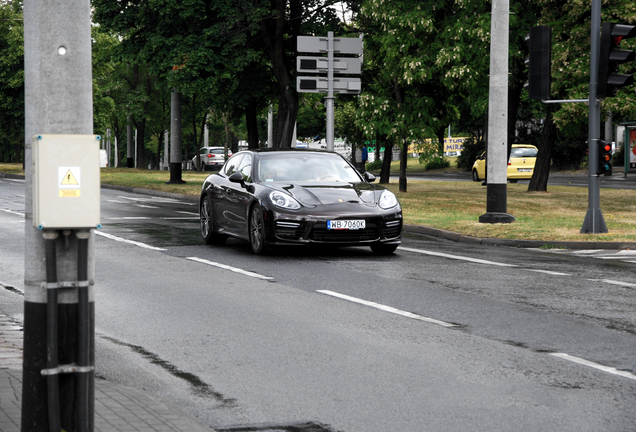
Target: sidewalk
[(117, 408)]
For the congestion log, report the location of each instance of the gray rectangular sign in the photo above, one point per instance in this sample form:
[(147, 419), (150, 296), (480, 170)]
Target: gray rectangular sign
[(321, 85), (318, 44), (341, 65)]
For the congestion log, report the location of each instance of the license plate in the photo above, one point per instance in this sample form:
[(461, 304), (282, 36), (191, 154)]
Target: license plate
[(525, 170), (346, 224)]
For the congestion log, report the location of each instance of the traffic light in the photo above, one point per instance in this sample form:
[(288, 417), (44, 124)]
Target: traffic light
[(609, 80), (605, 158), (539, 62)]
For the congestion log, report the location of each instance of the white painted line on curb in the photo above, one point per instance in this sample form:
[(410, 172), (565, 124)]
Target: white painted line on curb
[(456, 257), (387, 308), (132, 242), (230, 268), (600, 367)]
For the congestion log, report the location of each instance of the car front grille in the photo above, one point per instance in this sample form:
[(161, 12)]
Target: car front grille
[(289, 230), (392, 229)]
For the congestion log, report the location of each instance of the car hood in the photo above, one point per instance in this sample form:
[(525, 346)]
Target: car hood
[(310, 194)]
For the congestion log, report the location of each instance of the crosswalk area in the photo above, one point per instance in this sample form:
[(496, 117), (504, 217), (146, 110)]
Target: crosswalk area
[(624, 255)]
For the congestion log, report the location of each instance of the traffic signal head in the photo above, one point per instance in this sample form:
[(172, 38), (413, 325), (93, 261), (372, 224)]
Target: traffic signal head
[(605, 158), (539, 62), (609, 80)]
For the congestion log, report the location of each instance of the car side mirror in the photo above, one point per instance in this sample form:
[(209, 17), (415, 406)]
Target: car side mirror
[(369, 177), (237, 177)]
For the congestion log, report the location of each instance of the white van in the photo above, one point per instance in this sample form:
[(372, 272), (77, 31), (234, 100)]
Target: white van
[(103, 159)]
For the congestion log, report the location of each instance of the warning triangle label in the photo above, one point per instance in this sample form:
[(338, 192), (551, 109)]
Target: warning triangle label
[(69, 179)]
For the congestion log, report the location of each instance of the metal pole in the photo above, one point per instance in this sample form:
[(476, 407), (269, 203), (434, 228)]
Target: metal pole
[(270, 126), (58, 100), (496, 159), (594, 221), (130, 159), (330, 99)]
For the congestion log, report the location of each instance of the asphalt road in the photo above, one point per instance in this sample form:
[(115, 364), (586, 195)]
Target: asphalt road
[(439, 336)]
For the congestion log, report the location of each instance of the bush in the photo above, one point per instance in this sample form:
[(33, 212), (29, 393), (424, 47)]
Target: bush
[(437, 163), (376, 165)]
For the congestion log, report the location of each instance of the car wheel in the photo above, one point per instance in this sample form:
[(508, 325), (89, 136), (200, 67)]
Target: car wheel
[(513, 180), (257, 231), (475, 176), (207, 223), (384, 249)]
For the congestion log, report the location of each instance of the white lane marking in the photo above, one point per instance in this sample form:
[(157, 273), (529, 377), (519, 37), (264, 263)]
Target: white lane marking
[(118, 202), (230, 268), (549, 272), (13, 212), (132, 242), (600, 367), (145, 206), (456, 257), (188, 213), (14, 180), (181, 218), (613, 282), (387, 308)]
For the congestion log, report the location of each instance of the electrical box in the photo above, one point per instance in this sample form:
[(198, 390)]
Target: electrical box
[(66, 181)]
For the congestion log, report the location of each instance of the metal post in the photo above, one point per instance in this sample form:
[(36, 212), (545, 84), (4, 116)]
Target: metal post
[(270, 127), (496, 159), (58, 100), (594, 221), (330, 99)]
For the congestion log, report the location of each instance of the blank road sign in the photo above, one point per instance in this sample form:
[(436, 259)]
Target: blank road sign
[(318, 44), (321, 85), (341, 65)]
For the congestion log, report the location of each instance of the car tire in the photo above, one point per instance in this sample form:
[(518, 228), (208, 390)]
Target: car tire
[(257, 231), (513, 180), (207, 223), (475, 175), (384, 249)]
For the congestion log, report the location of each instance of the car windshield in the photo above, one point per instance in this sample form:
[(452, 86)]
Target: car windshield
[(305, 167), (523, 152)]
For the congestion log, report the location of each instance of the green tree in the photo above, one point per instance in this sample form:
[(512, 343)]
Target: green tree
[(11, 82)]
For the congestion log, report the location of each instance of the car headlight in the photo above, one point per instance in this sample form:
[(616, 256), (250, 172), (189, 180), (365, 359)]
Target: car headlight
[(283, 200), (387, 200)]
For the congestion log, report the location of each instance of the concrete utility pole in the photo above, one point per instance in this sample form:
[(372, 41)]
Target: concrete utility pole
[(175, 138), (58, 100), (130, 159), (496, 162)]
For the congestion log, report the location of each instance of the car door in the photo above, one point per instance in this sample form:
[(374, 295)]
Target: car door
[(229, 210)]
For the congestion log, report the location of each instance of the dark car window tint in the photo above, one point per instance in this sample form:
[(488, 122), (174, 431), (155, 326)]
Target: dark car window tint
[(232, 165), (203, 151)]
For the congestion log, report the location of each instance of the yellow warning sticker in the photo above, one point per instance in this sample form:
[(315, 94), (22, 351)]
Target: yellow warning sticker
[(66, 193), (69, 179)]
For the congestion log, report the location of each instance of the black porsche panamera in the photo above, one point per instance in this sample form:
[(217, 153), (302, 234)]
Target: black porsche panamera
[(298, 197)]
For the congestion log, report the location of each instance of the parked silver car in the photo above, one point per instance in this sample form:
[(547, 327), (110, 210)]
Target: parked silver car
[(212, 158)]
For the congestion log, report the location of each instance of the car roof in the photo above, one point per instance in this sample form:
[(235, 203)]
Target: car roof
[(524, 146)]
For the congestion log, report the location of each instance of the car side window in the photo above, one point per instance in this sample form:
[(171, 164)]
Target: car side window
[(233, 164), (245, 168)]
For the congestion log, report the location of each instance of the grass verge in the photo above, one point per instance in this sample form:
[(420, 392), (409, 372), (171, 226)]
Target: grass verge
[(556, 215)]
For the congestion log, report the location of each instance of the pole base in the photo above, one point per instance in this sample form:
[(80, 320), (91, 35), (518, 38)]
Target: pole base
[(496, 217), (130, 163), (594, 222), (175, 174)]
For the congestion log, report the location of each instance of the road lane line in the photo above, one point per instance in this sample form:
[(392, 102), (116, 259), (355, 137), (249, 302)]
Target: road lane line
[(613, 282), (456, 257), (387, 308), (550, 272), (13, 212), (230, 268), (132, 242), (600, 367)]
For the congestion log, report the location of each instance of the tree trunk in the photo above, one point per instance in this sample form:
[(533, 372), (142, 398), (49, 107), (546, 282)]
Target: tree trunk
[(539, 180), (251, 113), (141, 151), (386, 163), (403, 161)]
